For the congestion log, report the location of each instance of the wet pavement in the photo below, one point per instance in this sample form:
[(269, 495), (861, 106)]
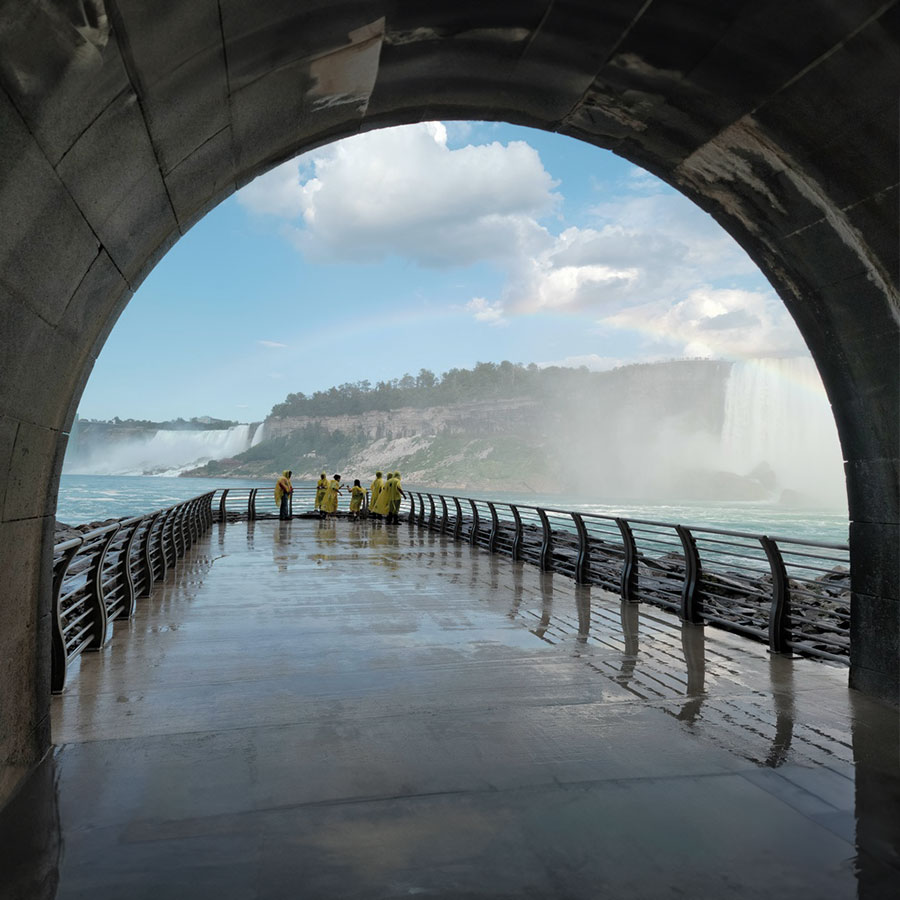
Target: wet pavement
[(308, 710)]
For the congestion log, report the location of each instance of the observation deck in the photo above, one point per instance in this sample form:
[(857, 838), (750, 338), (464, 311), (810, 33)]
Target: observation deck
[(341, 708)]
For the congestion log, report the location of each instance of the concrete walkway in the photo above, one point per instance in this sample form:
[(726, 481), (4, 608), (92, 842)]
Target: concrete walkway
[(312, 710)]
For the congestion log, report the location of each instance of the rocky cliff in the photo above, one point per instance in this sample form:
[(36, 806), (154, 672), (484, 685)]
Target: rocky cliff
[(635, 431)]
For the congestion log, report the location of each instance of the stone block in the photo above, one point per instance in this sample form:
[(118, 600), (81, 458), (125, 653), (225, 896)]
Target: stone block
[(876, 221), (875, 646), (175, 53), (8, 429), (262, 37), (45, 244), (829, 139), (40, 365), (821, 255), (873, 489), (31, 474), (205, 176), (114, 177), (24, 713), (768, 44), (188, 107), (875, 554), (94, 308), (79, 76)]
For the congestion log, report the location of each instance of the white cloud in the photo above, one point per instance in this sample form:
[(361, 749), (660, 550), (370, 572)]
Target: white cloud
[(273, 344), (714, 322), (486, 312), (403, 191), (649, 261)]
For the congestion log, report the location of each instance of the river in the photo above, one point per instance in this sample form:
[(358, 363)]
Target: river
[(89, 498)]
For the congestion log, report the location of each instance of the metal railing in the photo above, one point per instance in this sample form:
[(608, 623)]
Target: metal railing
[(98, 576), (792, 594)]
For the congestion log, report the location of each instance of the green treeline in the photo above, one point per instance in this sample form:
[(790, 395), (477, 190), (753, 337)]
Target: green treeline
[(485, 381)]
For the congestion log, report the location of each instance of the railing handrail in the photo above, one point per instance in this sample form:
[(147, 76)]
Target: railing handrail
[(704, 529), (95, 575)]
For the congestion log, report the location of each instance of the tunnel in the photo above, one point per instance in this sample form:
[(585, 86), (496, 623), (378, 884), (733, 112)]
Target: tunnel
[(122, 123)]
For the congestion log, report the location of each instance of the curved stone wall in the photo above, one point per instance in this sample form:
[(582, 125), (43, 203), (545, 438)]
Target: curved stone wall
[(123, 122)]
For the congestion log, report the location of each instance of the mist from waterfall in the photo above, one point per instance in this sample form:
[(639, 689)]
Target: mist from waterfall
[(163, 452), (778, 415)]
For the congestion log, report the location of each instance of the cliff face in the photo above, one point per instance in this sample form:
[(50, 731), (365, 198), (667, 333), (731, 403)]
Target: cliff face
[(634, 431), (483, 417)]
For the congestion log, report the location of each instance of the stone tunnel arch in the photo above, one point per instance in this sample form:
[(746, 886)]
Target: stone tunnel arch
[(122, 123)]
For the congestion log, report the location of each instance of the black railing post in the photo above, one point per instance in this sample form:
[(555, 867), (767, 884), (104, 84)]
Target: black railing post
[(222, 513), (780, 610), (517, 537), (184, 535), (629, 563), (421, 510), (443, 513), (146, 557), (193, 523), (457, 527), (495, 528), (431, 512), (690, 593), (125, 574), (473, 534), (546, 542), (161, 543), (172, 551), (412, 507), (251, 504), (59, 656), (583, 562), (96, 597)]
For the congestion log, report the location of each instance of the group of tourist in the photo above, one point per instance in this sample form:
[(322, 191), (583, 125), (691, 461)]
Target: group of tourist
[(384, 496)]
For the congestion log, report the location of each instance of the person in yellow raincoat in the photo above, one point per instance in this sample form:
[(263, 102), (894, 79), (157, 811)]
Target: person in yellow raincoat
[(374, 491), (321, 487), (283, 491), (330, 503), (357, 492), (381, 505), (396, 492)]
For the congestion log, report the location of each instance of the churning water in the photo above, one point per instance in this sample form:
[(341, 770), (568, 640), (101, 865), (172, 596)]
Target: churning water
[(89, 498)]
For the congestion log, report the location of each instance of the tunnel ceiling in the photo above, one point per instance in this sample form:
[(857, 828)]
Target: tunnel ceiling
[(126, 121)]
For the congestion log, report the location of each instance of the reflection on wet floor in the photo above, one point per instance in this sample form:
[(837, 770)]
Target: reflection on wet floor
[(333, 708)]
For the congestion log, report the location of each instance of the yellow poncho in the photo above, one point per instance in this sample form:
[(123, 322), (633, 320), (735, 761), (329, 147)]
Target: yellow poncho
[(321, 487), (283, 486), (375, 490), (330, 503), (382, 502), (356, 498)]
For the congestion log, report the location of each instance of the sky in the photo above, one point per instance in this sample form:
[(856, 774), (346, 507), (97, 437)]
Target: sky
[(435, 245)]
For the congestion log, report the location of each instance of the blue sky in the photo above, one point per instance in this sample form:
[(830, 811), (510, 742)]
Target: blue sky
[(430, 246)]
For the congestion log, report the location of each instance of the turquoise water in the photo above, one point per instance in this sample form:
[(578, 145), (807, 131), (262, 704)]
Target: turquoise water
[(89, 498)]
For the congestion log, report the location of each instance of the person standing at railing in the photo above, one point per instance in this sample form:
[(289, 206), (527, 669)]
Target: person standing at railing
[(374, 491), (357, 493), (396, 493), (381, 505), (330, 503), (283, 491), (321, 488)]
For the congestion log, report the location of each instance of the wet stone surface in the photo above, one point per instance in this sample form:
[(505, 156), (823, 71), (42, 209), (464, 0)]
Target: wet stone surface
[(309, 709)]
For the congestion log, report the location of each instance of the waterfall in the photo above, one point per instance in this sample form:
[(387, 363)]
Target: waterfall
[(165, 452), (777, 414), (258, 434)]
